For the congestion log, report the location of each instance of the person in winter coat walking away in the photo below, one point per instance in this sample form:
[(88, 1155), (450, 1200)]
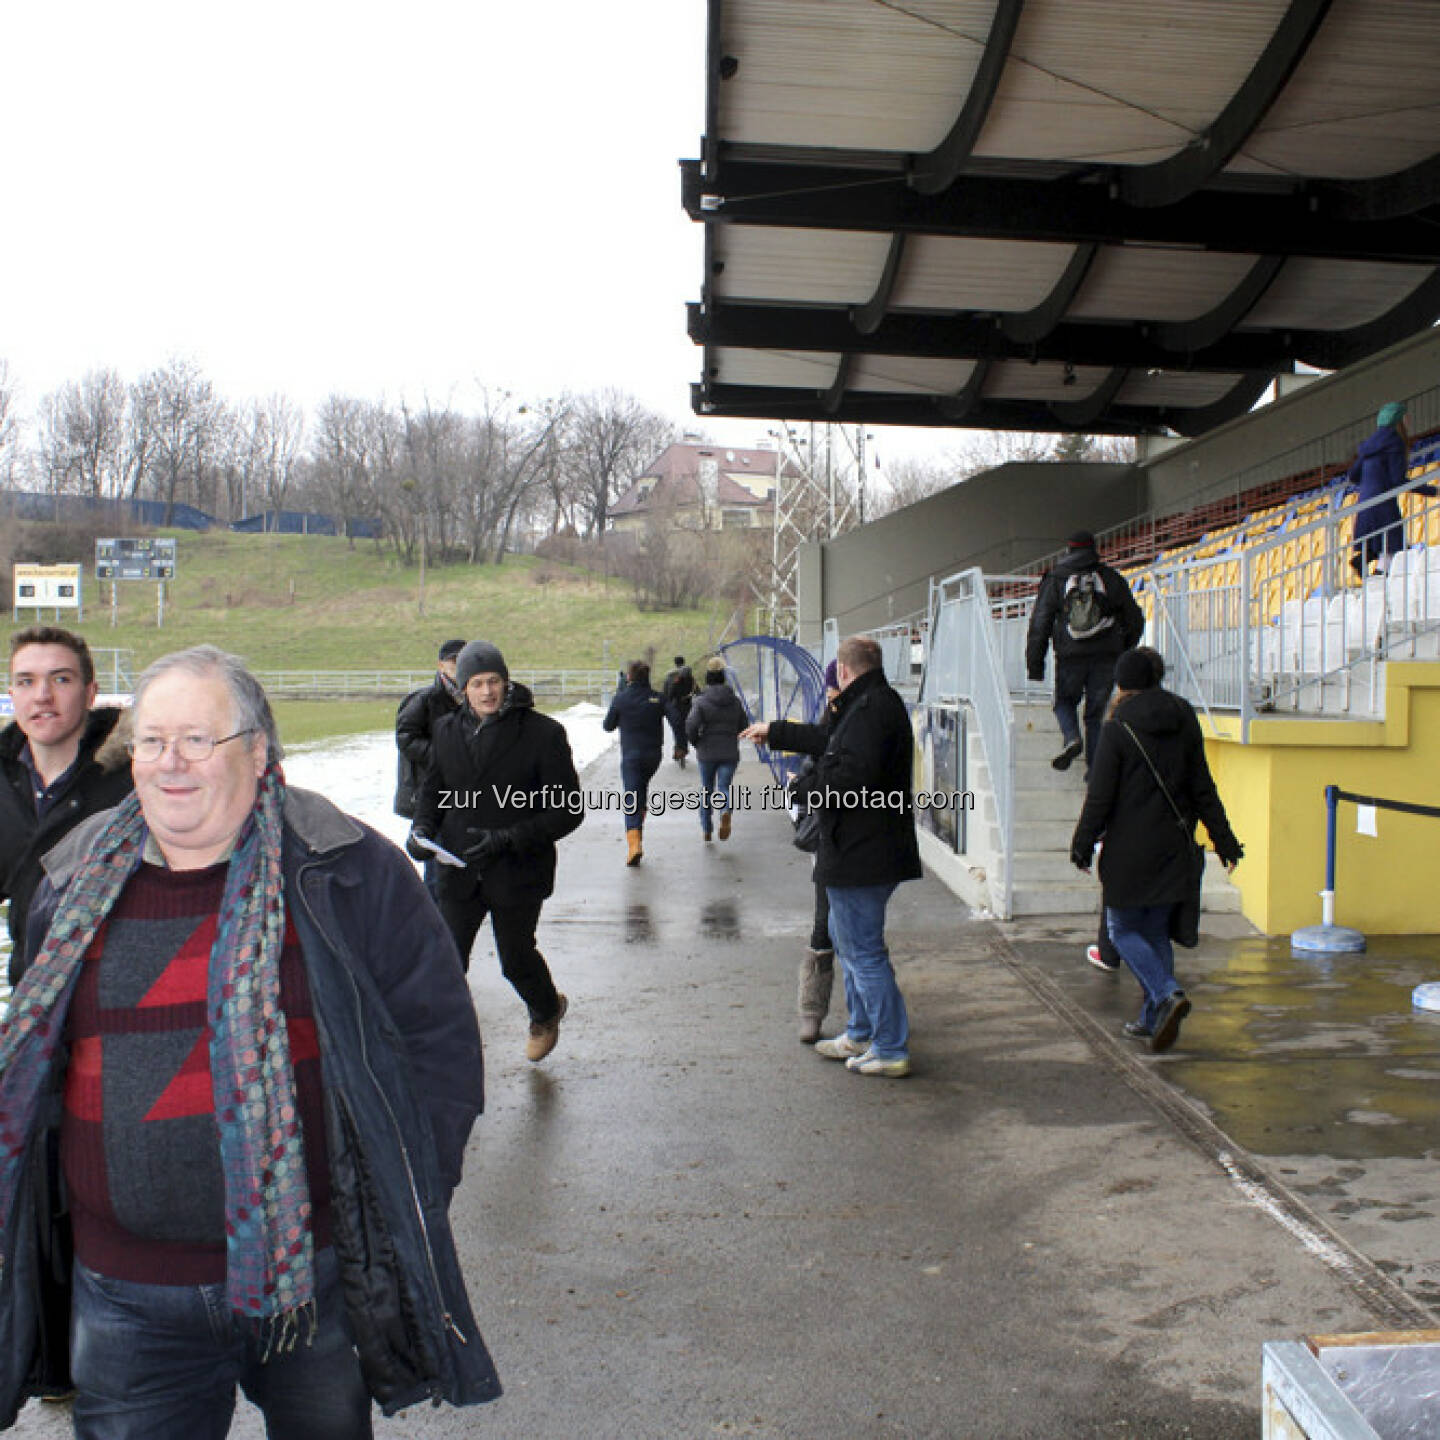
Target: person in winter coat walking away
[(1150, 765), (862, 784), (1379, 471), (713, 727), (62, 759), (245, 1034), (677, 691), (1086, 611), (500, 791), (420, 711), (639, 714)]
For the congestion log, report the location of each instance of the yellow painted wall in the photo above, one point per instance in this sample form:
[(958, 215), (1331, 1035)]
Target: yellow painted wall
[(1274, 793)]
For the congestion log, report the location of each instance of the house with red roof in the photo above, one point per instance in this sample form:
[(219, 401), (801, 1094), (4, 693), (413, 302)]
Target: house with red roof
[(696, 485)]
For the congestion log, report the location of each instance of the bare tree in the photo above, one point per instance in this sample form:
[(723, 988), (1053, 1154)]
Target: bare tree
[(271, 437), (909, 481), (610, 437), (185, 416), (9, 425)]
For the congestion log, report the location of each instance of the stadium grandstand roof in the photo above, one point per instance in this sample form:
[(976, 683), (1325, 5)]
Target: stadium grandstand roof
[(1122, 216)]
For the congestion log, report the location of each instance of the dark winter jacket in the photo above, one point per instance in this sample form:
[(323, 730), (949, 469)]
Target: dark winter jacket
[(401, 1061), (714, 724), (99, 779), (639, 714), (1047, 619), (415, 721), (862, 784), (513, 774), (1379, 468), (1146, 860)]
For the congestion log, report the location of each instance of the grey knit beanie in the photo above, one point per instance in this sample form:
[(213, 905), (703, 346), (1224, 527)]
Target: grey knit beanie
[(479, 657)]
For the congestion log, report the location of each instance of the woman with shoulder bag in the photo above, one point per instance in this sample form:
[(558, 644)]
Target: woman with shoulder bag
[(1149, 783)]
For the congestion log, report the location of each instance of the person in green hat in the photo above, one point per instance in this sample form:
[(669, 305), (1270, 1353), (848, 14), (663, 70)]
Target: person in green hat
[(1378, 476)]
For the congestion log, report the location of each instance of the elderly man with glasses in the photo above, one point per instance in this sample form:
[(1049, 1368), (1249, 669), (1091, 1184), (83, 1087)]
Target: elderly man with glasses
[(245, 1033)]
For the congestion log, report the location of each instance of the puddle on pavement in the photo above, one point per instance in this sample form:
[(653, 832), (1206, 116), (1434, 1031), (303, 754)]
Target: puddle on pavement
[(720, 920), (639, 928), (1312, 1055)]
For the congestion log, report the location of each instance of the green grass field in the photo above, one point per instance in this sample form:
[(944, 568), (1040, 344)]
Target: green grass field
[(311, 602)]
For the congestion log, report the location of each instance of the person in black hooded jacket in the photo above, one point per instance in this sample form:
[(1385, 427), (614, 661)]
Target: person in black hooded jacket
[(499, 791), (61, 760), (1148, 852), (1085, 648)]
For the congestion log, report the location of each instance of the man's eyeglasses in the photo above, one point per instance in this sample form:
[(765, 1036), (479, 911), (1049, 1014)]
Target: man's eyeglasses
[(195, 749)]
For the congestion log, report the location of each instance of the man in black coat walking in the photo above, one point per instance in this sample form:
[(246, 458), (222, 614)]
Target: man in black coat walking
[(861, 785), (500, 790), (61, 760), (415, 721), (1085, 609)]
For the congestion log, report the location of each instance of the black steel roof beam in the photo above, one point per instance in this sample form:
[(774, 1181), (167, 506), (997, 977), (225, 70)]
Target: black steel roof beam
[(1068, 211), (835, 395), (958, 408), (1334, 350), (1207, 155), (937, 171), (971, 336), (1034, 325), (867, 316), (1404, 192), (1240, 400), (1082, 413), (1189, 336), (881, 408)]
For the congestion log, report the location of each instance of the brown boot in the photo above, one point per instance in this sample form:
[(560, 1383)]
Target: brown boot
[(544, 1036), (633, 847), (817, 976), (724, 831)]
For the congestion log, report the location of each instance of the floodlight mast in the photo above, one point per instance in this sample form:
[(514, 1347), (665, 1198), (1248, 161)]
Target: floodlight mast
[(819, 494)]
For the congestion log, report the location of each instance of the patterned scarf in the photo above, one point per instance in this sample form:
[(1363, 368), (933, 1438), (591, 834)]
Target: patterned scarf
[(270, 1275)]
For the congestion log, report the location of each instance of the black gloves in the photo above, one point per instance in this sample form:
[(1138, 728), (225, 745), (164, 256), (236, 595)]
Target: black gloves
[(414, 850), (486, 845)]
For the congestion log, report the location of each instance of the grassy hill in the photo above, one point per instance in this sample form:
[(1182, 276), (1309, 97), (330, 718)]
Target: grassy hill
[(286, 602)]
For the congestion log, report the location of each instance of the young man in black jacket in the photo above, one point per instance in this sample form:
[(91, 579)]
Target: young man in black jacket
[(1085, 609), (862, 786), (415, 721), (500, 790), (61, 760)]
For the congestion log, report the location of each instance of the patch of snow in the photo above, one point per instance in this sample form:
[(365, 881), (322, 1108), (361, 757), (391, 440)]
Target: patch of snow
[(358, 772)]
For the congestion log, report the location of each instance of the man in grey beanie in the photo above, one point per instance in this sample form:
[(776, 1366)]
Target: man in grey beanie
[(500, 790)]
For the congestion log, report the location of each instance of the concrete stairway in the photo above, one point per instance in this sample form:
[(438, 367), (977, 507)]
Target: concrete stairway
[(1047, 804)]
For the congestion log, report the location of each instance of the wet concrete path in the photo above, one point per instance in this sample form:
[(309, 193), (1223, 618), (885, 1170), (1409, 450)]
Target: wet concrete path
[(1318, 1065), (686, 1224)]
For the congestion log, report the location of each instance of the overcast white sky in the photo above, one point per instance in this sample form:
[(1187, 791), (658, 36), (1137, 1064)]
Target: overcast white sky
[(382, 200)]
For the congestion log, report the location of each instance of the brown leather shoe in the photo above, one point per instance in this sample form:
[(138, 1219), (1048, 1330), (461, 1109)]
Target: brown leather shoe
[(544, 1037)]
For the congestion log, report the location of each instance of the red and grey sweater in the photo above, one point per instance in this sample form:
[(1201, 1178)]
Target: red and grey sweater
[(139, 1144)]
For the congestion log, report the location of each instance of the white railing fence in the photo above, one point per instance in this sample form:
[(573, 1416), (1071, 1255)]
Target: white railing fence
[(965, 664)]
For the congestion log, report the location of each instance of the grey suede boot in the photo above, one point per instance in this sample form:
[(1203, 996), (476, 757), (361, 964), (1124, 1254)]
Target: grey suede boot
[(817, 976)]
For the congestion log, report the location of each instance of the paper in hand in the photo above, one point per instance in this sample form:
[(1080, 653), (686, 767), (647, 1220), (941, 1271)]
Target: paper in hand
[(444, 856)]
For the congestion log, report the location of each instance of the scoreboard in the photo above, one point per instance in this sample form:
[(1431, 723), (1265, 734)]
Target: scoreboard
[(134, 559)]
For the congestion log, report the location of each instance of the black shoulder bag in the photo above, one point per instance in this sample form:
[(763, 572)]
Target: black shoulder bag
[(1185, 917)]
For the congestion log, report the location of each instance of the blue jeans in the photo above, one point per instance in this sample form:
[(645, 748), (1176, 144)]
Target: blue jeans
[(877, 1008), (161, 1362), (1141, 933), (1092, 679), (715, 778), (636, 772)]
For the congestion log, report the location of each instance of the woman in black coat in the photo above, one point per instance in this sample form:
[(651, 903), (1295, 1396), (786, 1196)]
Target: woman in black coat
[(1146, 865)]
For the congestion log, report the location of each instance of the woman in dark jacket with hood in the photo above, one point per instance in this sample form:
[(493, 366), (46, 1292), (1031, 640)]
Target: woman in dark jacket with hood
[(1152, 738), (713, 727)]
